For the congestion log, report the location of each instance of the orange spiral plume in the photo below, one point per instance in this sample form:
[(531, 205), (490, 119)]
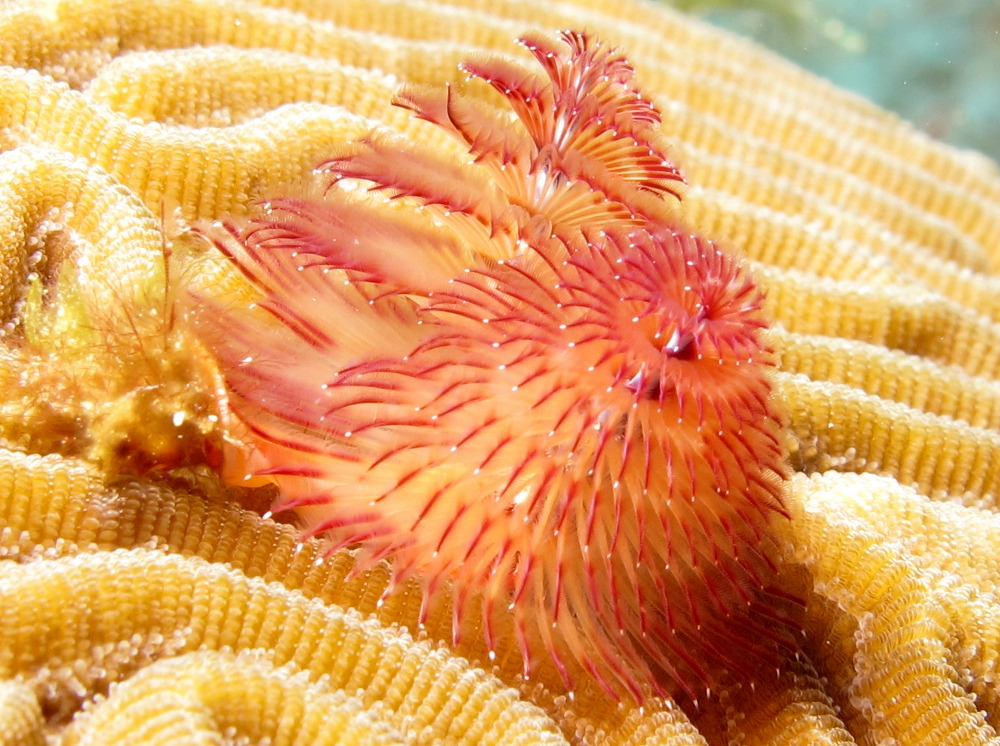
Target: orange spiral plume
[(522, 382)]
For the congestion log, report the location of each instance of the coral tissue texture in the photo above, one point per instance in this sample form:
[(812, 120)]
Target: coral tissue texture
[(145, 599)]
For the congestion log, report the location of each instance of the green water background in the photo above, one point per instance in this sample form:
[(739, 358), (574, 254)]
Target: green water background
[(935, 62)]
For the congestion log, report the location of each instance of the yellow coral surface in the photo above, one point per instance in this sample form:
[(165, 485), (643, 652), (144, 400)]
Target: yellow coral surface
[(142, 600)]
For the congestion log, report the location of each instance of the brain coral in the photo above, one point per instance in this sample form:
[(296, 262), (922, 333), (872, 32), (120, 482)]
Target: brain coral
[(145, 600)]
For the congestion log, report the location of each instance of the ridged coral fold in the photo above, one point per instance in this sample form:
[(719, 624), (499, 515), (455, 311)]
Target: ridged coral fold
[(146, 597)]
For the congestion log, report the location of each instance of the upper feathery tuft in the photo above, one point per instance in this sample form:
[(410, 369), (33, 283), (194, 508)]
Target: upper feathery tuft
[(520, 382)]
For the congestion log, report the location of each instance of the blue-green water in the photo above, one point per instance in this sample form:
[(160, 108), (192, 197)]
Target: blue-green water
[(936, 63)]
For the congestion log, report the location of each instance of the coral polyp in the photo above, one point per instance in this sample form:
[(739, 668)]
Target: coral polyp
[(523, 381)]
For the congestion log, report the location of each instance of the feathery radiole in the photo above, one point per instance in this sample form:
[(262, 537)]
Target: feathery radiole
[(522, 380)]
